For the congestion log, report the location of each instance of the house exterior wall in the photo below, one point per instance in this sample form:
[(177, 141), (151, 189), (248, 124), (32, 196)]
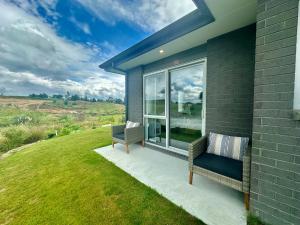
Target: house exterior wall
[(230, 74), (230, 77), (275, 170), (134, 95)]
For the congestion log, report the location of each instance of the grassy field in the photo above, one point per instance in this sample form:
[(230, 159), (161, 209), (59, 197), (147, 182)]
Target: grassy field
[(62, 181), (25, 120)]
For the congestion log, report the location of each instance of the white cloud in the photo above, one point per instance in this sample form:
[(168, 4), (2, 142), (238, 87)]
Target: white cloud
[(32, 6), (82, 26), (150, 15), (33, 58), (95, 85)]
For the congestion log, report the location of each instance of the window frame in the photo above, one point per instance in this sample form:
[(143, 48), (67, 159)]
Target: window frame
[(296, 100)]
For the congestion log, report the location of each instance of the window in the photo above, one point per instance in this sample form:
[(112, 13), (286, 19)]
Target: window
[(297, 72)]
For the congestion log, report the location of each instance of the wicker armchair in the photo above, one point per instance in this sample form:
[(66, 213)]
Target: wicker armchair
[(127, 136), (197, 149)]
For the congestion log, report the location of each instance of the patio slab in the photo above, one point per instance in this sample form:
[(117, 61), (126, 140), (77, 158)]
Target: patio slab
[(209, 201)]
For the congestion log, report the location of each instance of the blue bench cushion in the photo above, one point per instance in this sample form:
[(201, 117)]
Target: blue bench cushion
[(120, 136), (222, 165)]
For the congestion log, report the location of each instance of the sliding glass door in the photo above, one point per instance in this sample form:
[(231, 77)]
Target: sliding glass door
[(185, 105), (174, 106)]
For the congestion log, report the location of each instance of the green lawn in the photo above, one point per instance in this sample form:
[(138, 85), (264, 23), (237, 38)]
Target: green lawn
[(62, 181)]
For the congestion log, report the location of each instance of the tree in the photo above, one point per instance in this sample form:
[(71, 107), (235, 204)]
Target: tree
[(57, 96), (2, 91), (43, 95), (75, 98), (110, 99), (119, 101)]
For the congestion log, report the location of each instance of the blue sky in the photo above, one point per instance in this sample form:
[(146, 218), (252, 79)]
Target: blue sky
[(55, 46)]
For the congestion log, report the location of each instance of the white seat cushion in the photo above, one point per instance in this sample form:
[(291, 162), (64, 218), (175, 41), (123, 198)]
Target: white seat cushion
[(130, 124)]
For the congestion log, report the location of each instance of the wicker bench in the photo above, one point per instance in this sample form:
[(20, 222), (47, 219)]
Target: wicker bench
[(127, 136), (227, 171)]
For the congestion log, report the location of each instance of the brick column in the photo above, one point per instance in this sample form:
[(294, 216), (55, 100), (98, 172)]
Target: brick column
[(275, 178)]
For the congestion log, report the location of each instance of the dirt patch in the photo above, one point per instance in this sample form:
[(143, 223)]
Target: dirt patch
[(58, 111), (21, 102)]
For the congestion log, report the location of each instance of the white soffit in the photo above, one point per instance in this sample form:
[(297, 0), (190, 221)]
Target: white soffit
[(229, 15)]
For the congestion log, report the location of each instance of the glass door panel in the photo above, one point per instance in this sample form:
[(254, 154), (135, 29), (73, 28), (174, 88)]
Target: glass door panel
[(155, 130), (155, 94), (155, 108), (185, 105)]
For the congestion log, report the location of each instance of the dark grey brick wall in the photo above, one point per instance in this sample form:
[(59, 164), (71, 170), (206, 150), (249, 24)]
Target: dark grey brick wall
[(134, 91), (230, 76), (275, 178)]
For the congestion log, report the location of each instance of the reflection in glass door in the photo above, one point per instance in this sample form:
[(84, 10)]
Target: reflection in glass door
[(185, 105)]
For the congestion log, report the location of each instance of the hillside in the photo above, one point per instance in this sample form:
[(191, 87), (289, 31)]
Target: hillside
[(25, 120)]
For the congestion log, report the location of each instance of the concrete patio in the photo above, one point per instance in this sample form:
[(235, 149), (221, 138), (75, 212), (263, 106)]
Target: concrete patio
[(209, 201)]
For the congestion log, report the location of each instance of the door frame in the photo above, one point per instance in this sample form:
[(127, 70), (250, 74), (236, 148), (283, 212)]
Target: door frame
[(166, 117)]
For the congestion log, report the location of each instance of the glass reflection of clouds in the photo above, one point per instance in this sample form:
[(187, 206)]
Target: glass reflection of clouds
[(189, 81)]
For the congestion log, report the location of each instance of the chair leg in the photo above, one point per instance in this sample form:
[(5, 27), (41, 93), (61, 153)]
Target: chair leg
[(191, 178), (143, 143), (127, 149), (113, 144), (246, 200)]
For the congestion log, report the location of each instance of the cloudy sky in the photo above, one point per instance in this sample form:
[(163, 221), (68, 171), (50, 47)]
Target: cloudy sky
[(55, 46)]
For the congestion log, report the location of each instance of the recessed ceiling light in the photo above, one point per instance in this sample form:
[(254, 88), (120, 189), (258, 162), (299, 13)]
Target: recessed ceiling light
[(161, 51)]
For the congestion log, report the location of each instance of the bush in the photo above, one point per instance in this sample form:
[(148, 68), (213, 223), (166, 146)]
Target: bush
[(69, 128), (3, 144), (35, 134), (28, 118), (16, 136)]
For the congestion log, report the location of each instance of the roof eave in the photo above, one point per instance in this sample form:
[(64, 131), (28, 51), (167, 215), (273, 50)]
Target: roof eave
[(194, 20)]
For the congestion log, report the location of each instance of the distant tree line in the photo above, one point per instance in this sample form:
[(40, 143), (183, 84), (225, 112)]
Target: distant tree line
[(76, 97)]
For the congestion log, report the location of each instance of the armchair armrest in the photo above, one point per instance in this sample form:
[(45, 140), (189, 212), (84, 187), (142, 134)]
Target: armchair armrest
[(134, 134), (196, 148), (117, 129), (246, 170)]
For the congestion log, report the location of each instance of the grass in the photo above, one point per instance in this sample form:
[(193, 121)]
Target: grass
[(62, 181), (253, 220)]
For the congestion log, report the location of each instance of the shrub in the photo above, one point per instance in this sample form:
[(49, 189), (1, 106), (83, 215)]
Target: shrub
[(28, 118), (35, 134), (3, 144), (15, 136), (22, 119), (69, 128)]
